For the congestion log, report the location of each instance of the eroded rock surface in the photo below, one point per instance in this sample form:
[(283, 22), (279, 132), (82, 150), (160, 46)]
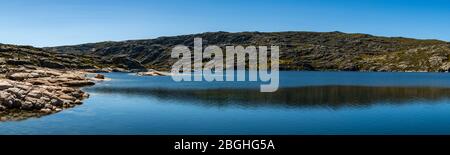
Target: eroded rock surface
[(39, 91)]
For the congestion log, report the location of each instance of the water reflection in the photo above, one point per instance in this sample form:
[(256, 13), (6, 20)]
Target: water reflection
[(299, 97), (334, 97), (19, 115)]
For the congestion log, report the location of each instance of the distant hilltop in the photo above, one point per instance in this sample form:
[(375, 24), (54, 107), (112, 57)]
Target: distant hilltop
[(298, 50), (312, 51)]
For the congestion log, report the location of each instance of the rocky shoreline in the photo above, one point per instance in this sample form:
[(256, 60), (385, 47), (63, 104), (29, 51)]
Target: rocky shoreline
[(29, 91), (151, 72)]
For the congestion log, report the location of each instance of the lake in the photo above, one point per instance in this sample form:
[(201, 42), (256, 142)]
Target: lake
[(307, 103)]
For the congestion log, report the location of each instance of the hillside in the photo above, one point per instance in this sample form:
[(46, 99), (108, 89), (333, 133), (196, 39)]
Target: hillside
[(26, 55), (298, 50), (12, 55)]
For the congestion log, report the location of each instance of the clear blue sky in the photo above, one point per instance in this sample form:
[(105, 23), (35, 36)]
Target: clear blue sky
[(62, 22)]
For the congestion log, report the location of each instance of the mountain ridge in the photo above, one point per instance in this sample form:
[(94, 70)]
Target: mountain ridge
[(299, 50)]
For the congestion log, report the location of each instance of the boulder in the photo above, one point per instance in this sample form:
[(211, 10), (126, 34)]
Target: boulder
[(5, 98), (100, 76), (53, 73), (35, 94), (67, 90), (56, 102), (16, 91), (3, 69), (24, 86), (77, 94), (80, 83), (45, 99), (445, 67), (2, 108), (35, 75), (27, 105), (4, 95), (78, 102), (5, 85), (85, 95), (19, 76), (67, 97), (12, 103), (46, 110)]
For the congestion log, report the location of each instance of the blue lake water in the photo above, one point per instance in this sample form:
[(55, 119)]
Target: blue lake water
[(308, 103)]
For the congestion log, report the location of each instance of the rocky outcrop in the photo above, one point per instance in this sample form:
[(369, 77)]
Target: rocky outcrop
[(445, 67), (40, 98), (40, 91), (99, 76), (35, 82), (153, 73), (49, 77)]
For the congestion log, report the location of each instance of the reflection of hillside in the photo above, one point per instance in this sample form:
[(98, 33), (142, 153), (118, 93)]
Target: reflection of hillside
[(314, 96)]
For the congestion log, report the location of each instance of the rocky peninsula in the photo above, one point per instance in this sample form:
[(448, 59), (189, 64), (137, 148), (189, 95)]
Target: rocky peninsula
[(35, 83), (40, 90)]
